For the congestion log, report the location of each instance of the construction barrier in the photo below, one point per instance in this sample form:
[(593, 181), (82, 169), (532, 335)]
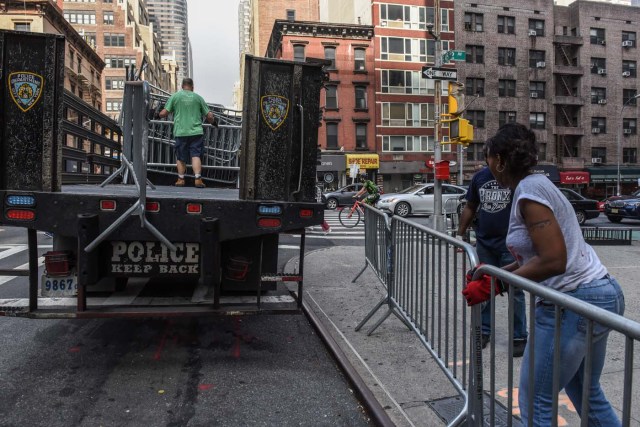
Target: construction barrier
[(607, 235)]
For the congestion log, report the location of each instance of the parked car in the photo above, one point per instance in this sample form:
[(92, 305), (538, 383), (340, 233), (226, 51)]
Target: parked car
[(418, 199), (342, 196), (584, 208), (619, 207)]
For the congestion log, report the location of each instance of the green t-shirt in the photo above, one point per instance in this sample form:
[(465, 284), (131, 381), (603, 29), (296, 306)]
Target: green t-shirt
[(187, 108), (371, 187)]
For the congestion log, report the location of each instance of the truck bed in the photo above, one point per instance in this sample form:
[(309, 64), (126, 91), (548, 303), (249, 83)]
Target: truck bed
[(160, 192)]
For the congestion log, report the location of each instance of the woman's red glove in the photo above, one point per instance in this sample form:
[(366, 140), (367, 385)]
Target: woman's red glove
[(470, 273), (478, 291)]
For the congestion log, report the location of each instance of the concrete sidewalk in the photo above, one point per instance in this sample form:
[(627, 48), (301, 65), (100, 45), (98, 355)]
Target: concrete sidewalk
[(395, 364)]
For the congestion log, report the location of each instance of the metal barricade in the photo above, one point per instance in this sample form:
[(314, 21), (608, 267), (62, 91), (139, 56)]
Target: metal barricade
[(452, 209), (607, 235), (593, 315), (424, 279)]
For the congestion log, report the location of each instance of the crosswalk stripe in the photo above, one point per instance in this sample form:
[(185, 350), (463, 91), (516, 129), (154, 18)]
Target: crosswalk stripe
[(288, 247), (12, 251), (5, 279), (332, 236)]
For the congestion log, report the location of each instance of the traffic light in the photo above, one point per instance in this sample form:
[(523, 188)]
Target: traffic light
[(460, 130), (318, 156), (456, 98)]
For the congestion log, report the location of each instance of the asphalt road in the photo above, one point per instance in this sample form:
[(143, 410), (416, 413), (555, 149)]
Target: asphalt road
[(259, 371)]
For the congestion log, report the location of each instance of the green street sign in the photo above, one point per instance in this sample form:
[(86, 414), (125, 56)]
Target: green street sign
[(455, 55)]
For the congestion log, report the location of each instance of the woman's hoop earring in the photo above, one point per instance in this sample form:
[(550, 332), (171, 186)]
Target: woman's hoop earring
[(500, 170)]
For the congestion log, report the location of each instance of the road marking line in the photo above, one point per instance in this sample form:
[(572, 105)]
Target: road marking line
[(15, 245), (12, 251), (288, 247), (5, 279), (331, 236)]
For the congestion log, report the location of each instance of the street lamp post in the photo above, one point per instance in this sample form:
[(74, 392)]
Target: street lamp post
[(619, 156)]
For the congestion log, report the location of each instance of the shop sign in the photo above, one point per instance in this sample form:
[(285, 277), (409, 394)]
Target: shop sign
[(364, 161)]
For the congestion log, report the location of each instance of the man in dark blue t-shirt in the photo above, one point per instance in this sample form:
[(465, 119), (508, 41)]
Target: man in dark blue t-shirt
[(492, 206)]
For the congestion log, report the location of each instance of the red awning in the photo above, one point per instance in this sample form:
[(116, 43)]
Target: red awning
[(574, 177)]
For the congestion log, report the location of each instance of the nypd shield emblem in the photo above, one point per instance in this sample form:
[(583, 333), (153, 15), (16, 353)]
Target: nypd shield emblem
[(274, 110), (25, 88)]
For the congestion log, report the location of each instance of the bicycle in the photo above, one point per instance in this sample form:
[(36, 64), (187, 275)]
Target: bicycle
[(350, 217)]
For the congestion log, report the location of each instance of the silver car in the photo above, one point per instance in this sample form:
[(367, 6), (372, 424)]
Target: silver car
[(418, 199)]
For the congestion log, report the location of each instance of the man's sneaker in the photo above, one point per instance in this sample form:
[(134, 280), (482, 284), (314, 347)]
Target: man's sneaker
[(518, 347), (199, 183), (179, 182), (485, 340)]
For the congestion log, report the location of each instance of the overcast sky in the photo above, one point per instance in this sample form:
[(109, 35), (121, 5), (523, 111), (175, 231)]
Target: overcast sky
[(213, 30)]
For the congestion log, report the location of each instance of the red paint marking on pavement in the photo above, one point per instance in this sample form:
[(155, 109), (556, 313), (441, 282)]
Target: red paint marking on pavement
[(74, 350), (163, 340), (236, 334), (205, 387)]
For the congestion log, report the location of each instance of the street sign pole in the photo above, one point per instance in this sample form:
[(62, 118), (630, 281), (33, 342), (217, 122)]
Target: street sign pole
[(438, 218)]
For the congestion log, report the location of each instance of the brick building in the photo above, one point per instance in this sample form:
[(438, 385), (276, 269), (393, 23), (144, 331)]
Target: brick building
[(405, 101), (347, 133), (83, 66)]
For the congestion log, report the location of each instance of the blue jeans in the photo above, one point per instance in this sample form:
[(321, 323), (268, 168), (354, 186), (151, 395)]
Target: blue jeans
[(500, 259), (604, 293)]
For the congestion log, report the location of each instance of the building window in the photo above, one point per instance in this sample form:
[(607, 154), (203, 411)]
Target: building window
[(599, 123), (535, 58), (113, 40), (405, 49), (298, 52), (542, 152), (475, 54), (537, 25), (22, 26), (629, 97), (598, 94), (114, 104), (400, 114), (475, 152), (505, 117), (629, 155), (598, 66), (599, 152), (629, 69), (537, 88), (359, 59), (474, 86), (506, 56), (629, 126), (361, 135), (331, 97), (291, 15), (473, 21), (408, 17), (506, 88), (72, 86), (119, 61), (629, 36), (406, 82), (107, 18), (361, 97), (80, 17), (444, 20), (114, 83), (408, 143), (476, 118), (506, 24), (332, 136), (596, 36), (537, 120), (330, 55)]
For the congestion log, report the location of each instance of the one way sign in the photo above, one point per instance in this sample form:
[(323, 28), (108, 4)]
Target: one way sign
[(439, 73)]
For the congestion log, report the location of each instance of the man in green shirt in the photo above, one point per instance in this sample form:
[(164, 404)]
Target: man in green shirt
[(373, 192), (188, 108)]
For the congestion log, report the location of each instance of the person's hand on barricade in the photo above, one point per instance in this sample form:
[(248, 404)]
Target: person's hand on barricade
[(478, 291), (471, 272)]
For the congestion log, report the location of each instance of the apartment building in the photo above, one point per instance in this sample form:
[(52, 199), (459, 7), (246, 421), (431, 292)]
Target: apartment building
[(347, 133), (405, 100), (122, 34), (83, 66)]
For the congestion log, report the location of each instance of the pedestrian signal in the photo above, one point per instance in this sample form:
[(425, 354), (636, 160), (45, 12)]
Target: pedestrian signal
[(460, 131)]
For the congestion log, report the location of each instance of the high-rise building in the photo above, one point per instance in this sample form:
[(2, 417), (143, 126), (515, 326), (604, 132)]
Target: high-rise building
[(171, 22)]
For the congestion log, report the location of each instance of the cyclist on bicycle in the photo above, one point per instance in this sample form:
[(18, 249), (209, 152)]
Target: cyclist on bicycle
[(369, 187)]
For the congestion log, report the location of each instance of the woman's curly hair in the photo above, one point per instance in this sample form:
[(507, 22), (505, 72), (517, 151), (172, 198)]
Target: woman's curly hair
[(516, 145)]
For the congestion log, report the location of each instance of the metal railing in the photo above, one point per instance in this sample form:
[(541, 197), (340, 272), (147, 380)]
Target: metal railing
[(607, 235), (561, 302)]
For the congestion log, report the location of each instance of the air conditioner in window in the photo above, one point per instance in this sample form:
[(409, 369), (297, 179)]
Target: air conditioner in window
[(626, 131), (541, 64), (627, 43), (511, 114), (626, 73), (602, 42), (602, 101), (596, 160), (533, 33), (595, 130), (533, 94), (602, 71)]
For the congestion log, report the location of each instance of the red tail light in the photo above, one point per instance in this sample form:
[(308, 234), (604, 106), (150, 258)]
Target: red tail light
[(21, 214), (152, 207), (107, 205), (194, 208), (57, 263), (306, 213), (269, 222)]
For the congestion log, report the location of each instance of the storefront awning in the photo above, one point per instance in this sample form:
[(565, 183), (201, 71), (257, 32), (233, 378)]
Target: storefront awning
[(331, 163), (577, 177), (550, 171), (365, 161), (609, 174)]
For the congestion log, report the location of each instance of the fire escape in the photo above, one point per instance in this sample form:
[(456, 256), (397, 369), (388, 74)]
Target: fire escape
[(568, 102)]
